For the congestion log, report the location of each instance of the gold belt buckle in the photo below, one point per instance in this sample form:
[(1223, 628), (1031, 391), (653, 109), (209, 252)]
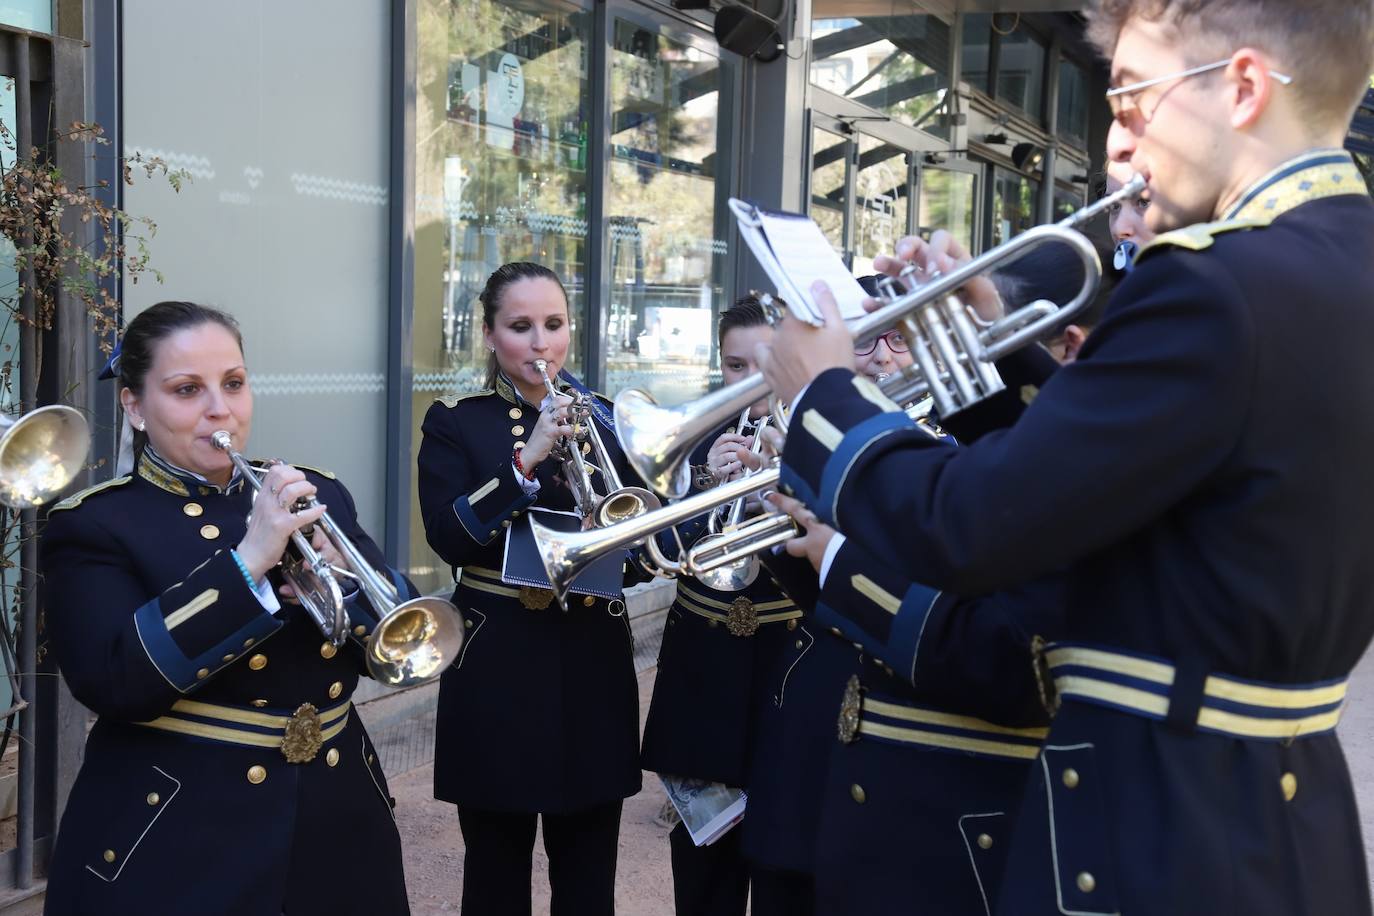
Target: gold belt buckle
[(1044, 678), (851, 710), (743, 620), (534, 598), (304, 736)]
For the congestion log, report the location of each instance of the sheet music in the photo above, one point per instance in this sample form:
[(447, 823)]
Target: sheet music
[(795, 253)]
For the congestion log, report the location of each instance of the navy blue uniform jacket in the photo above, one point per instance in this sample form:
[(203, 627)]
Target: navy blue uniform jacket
[(540, 713), (1200, 529), (151, 620)]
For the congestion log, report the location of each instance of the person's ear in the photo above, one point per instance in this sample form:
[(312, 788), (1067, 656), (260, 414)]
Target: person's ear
[(1250, 87)]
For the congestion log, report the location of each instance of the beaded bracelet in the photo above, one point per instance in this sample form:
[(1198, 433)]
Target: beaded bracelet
[(247, 576), (528, 475)]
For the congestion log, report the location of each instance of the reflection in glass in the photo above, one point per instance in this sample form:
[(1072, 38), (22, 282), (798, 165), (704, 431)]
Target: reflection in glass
[(881, 55), (827, 185), (1013, 205), (946, 202), (666, 235), (1067, 202), (1073, 101), (977, 48), (880, 202), (1020, 70), (500, 175)]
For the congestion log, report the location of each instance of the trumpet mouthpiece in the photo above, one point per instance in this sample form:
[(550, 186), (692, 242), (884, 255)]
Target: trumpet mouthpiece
[(221, 440)]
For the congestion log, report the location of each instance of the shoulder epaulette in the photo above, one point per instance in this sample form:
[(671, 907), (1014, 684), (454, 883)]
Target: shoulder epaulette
[(452, 400), (71, 502), (1199, 236)]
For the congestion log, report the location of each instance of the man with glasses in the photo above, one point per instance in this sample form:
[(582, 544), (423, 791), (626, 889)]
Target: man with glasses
[(1220, 566)]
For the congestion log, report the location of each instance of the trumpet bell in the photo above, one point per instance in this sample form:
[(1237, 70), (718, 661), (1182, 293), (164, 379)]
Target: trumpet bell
[(415, 642), (653, 442), (40, 454), (625, 504)]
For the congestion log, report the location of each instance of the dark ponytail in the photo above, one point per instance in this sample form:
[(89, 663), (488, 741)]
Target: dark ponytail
[(491, 294), (149, 328)]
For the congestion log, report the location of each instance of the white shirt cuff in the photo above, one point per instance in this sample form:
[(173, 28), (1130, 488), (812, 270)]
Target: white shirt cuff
[(831, 549), (266, 596), (530, 487)]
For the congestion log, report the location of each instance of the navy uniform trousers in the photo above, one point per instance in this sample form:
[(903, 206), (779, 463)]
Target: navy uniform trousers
[(1219, 569), (540, 713), (186, 802), (703, 717)]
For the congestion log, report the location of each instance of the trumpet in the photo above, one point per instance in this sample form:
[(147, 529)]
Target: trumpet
[(952, 357), (728, 575), (566, 553), (620, 502), (413, 642)]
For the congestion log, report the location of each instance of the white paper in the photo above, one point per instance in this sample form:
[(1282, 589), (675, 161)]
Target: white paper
[(795, 253)]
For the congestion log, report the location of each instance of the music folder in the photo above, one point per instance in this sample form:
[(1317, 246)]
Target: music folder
[(522, 565)]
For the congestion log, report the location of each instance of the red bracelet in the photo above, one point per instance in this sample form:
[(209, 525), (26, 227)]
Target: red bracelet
[(529, 475)]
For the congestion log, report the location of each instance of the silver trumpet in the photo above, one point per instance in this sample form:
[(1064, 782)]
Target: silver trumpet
[(952, 356), (413, 642), (729, 575), (619, 502), (567, 553)]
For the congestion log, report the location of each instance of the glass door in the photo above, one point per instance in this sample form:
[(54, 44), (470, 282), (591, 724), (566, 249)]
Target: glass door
[(948, 199)]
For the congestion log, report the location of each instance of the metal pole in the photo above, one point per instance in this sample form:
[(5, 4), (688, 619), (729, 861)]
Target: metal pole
[(28, 619)]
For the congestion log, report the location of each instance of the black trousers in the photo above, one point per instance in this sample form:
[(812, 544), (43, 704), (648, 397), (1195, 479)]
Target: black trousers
[(581, 846), (709, 880), (782, 893)]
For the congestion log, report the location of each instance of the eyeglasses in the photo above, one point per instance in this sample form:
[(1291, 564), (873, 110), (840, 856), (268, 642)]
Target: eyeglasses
[(1124, 104), (895, 342)]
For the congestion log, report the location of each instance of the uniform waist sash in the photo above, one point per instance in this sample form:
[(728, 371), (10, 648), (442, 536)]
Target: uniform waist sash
[(869, 715), (248, 726), (742, 617), (1141, 685)]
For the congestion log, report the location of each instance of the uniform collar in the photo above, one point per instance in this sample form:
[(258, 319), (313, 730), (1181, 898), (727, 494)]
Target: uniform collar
[(507, 390), (164, 475), (1313, 175)]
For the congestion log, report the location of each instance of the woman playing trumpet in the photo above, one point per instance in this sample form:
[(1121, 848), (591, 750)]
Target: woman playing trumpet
[(709, 689), (540, 714), (227, 772)]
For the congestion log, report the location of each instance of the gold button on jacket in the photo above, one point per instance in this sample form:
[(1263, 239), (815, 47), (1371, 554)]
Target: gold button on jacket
[(256, 774), (209, 532), (258, 662)]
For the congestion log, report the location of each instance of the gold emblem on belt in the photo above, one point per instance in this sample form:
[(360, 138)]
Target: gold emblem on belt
[(303, 736), (743, 620), (851, 709), (534, 598)]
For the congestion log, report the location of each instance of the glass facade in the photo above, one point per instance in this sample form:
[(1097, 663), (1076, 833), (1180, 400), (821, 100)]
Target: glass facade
[(828, 185), (1073, 102), (1020, 69), (34, 15), (1014, 198), (947, 201), (667, 219), (889, 57), (880, 202), (283, 128)]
